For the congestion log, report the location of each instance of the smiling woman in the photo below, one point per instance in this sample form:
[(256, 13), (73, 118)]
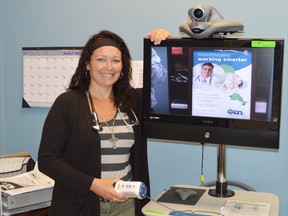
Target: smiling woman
[(86, 157)]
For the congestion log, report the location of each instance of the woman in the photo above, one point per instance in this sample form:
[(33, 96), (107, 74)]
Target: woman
[(92, 136)]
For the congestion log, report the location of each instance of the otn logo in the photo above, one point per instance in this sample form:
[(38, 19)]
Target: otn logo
[(234, 112)]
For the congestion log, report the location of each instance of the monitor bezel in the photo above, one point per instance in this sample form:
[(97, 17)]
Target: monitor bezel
[(254, 133)]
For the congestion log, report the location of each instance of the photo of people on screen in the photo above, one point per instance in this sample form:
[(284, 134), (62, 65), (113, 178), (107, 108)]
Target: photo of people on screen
[(232, 83)]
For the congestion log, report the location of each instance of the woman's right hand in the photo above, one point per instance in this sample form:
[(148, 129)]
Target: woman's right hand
[(104, 188)]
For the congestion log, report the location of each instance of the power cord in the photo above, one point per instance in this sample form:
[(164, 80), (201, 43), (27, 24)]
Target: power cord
[(202, 178)]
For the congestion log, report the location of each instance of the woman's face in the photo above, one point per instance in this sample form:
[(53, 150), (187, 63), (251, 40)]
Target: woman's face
[(105, 66)]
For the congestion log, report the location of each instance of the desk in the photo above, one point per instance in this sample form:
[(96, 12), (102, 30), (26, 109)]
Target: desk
[(41, 209), (210, 203), (38, 212)]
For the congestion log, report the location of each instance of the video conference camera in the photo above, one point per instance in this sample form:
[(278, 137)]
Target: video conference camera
[(205, 21)]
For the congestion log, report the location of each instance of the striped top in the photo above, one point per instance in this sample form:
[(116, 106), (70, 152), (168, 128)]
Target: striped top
[(115, 161)]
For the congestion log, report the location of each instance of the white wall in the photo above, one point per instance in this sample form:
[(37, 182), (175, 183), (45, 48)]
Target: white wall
[(71, 22)]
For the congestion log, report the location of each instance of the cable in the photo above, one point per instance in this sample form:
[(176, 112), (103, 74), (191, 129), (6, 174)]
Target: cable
[(213, 183), (165, 206), (202, 178), (206, 212)]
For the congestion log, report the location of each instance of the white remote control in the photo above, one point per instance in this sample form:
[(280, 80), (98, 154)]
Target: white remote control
[(131, 189)]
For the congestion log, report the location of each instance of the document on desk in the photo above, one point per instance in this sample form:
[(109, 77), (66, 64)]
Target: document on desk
[(25, 191), (26, 182), (245, 208)]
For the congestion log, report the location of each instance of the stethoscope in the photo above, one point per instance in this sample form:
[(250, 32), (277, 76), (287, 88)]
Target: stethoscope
[(95, 120), (204, 80)]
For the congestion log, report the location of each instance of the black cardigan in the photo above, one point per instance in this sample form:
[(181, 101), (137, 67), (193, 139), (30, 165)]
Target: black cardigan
[(69, 153)]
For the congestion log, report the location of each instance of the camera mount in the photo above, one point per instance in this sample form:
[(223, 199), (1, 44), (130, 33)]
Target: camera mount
[(205, 21)]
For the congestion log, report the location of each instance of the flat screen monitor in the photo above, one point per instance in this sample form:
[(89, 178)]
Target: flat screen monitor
[(221, 91)]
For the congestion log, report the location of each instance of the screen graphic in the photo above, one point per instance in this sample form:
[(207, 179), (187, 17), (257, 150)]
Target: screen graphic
[(222, 82)]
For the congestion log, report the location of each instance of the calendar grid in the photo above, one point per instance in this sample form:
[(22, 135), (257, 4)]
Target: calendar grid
[(47, 73)]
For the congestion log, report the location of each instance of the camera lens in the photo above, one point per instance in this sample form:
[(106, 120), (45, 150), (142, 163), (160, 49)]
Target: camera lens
[(198, 13)]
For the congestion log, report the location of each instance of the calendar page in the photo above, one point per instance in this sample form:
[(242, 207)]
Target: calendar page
[(47, 72)]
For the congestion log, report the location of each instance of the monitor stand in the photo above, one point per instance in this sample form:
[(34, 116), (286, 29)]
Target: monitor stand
[(221, 189)]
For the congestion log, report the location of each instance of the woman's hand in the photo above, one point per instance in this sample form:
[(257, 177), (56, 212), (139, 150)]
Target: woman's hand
[(104, 189), (158, 35)]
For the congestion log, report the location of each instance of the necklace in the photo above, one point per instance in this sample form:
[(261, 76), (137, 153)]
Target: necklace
[(113, 138)]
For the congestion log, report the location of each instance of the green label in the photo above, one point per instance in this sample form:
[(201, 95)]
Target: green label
[(155, 211), (271, 44)]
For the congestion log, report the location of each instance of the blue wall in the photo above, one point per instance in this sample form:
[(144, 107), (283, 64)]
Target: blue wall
[(71, 22)]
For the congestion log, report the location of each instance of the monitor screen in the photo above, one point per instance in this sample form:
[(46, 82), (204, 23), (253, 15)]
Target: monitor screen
[(222, 91)]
